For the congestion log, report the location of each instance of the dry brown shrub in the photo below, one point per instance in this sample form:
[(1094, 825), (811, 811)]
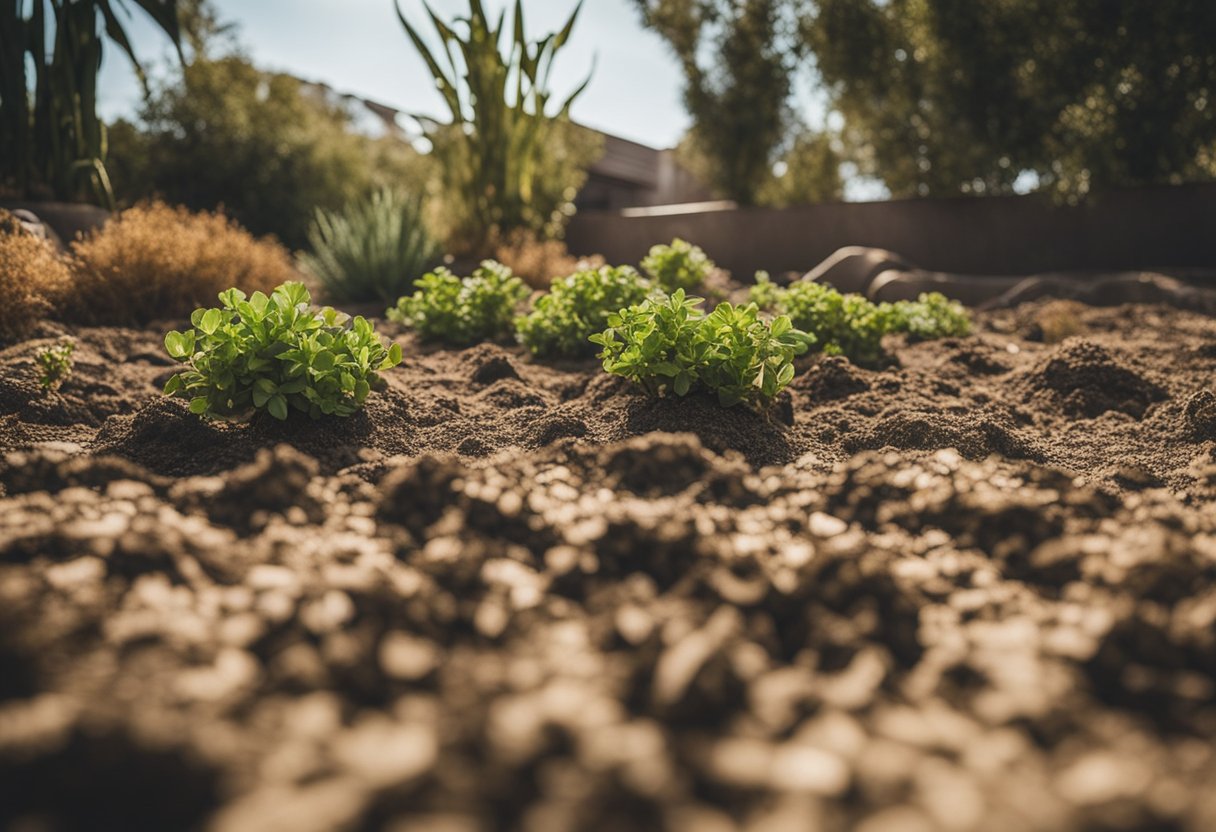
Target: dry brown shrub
[(155, 262), (539, 262), (33, 277)]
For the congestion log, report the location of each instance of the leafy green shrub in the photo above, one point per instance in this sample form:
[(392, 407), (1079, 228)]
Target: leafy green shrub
[(680, 265), (277, 354), (577, 307), (670, 345), (462, 311), (372, 249), (55, 364), (842, 324), (932, 315)]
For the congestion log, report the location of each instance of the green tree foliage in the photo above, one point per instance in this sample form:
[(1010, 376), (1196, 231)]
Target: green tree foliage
[(943, 96), (52, 142), (738, 57), (507, 159), (266, 148), (809, 172)]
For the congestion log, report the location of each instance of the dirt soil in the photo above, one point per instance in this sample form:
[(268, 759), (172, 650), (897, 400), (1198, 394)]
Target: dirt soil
[(972, 590)]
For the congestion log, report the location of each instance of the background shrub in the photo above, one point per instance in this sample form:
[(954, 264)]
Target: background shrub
[(264, 146), (680, 265), (577, 307), (33, 279), (155, 262), (373, 249), (462, 311)]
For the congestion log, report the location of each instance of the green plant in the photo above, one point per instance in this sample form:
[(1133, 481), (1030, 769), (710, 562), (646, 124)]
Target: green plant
[(842, 324), (58, 145), (277, 354), (462, 311), (373, 249), (670, 345), (55, 364), (680, 265), (577, 307), (507, 162), (931, 315)]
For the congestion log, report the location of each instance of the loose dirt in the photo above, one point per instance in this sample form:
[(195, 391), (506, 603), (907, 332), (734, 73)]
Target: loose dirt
[(974, 589)]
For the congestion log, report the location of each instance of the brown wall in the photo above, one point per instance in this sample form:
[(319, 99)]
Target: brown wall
[(1142, 228)]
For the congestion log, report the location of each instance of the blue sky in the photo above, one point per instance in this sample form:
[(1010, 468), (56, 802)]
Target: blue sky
[(358, 46)]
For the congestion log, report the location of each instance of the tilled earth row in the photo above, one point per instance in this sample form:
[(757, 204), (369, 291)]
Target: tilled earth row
[(973, 590)]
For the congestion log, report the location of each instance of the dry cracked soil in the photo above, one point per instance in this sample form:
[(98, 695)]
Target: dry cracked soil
[(971, 590)]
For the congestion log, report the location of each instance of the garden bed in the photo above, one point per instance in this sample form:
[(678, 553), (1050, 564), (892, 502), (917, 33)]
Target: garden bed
[(973, 590)]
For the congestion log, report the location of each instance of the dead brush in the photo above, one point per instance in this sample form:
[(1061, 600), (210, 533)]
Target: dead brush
[(33, 279), (539, 262), (155, 262)]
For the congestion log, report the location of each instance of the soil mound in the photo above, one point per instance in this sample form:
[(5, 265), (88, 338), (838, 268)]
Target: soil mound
[(1085, 380)]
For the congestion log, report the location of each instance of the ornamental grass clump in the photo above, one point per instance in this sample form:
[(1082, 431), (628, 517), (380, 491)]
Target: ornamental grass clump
[(371, 250), (680, 265), (278, 354), (562, 322), (153, 262), (462, 311), (669, 345)]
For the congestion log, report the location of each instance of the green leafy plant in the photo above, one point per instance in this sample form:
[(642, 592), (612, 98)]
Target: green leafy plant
[(277, 354), (373, 249), (931, 315), (670, 346), (577, 307), (851, 325), (842, 324), (508, 159), (55, 364), (462, 311), (680, 265)]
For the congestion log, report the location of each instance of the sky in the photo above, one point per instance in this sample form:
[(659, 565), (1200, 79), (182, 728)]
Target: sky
[(359, 47)]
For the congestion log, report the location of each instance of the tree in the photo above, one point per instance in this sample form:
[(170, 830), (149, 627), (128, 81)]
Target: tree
[(266, 147), (739, 98), (809, 171), (949, 96)]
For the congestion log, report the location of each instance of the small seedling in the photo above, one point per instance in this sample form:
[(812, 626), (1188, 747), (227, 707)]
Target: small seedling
[(55, 364), (277, 354), (461, 311), (680, 265), (562, 321), (671, 346)]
